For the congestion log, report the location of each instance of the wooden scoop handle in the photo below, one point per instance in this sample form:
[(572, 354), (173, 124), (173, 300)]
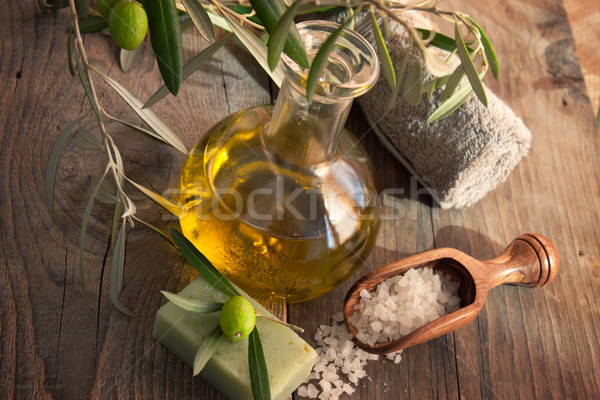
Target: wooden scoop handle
[(530, 260)]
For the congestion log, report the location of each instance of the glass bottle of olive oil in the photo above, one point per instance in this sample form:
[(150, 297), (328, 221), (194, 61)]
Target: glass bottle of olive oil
[(281, 198)]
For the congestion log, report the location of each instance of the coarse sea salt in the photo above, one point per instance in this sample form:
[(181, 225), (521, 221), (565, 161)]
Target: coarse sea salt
[(398, 306)]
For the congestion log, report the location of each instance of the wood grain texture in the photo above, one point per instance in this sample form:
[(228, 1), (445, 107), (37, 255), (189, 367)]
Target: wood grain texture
[(57, 342), (584, 18)]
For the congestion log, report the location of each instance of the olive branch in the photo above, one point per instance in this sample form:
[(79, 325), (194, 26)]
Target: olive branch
[(266, 29)]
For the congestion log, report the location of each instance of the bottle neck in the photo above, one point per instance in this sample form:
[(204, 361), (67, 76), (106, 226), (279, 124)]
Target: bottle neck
[(303, 133)]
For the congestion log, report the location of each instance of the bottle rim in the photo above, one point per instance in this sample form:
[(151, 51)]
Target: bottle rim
[(353, 64)]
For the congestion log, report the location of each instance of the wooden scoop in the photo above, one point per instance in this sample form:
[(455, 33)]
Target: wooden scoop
[(530, 260)]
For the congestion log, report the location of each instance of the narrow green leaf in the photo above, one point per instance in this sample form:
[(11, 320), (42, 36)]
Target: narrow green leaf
[(598, 118), (86, 217), (399, 80), (200, 18), (219, 21), (165, 35), (385, 26), (158, 199), (382, 51), (255, 47), (54, 159), (127, 58), (490, 54), (270, 12), (208, 346), (412, 85), (450, 105), (116, 271), (279, 35), (42, 5), (195, 305), (106, 196), (82, 7), (188, 69), (257, 365), (453, 82), (57, 4), (116, 218), (247, 12), (163, 131), (85, 83), (70, 53), (320, 60), (155, 229), (469, 68), (91, 25), (201, 264), (86, 140)]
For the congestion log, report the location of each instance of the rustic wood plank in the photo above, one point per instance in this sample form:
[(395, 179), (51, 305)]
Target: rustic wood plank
[(584, 18), (59, 343)]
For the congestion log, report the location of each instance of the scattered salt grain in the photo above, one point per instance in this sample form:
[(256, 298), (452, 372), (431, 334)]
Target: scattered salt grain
[(398, 306)]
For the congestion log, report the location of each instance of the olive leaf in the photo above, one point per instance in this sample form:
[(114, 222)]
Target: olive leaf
[(279, 35), (189, 68), (440, 40), (82, 7), (54, 159), (257, 365), (155, 229), (116, 271), (450, 105), (70, 54), (87, 88), (320, 60), (116, 218), (200, 18), (91, 25), (158, 199), (195, 305), (127, 58), (86, 217), (165, 36), (270, 12), (201, 264), (383, 53), (163, 131), (255, 47), (469, 68), (413, 84), (488, 49), (208, 346), (401, 71), (86, 140), (453, 82), (42, 5), (385, 26)]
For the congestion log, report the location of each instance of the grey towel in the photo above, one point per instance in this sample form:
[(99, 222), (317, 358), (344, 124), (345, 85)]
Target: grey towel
[(460, 158)]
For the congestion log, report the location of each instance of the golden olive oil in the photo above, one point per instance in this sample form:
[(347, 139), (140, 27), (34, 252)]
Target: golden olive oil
[(278, 230)]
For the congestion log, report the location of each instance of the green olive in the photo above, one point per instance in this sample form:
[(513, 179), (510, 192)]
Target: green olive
[(237, 318)]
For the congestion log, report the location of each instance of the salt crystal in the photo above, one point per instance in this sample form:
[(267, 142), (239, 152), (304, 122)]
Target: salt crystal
[(398, 306), (312, 391), (302, 392)]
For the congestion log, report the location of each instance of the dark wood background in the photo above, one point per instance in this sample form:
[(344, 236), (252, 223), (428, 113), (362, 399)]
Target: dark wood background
[(57, 342)]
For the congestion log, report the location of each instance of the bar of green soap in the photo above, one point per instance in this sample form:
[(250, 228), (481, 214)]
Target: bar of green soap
[(289, 358)]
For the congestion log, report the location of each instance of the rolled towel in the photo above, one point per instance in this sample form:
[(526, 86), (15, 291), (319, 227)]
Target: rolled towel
[(458, 159)]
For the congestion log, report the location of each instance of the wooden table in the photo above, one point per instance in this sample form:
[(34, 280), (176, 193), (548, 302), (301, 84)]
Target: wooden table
[(57, 342)]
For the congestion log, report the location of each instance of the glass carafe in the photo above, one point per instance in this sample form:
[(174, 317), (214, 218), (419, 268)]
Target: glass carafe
[(281, 198)]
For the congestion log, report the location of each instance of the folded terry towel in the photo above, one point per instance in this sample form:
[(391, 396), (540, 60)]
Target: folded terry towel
[(460, 158)]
